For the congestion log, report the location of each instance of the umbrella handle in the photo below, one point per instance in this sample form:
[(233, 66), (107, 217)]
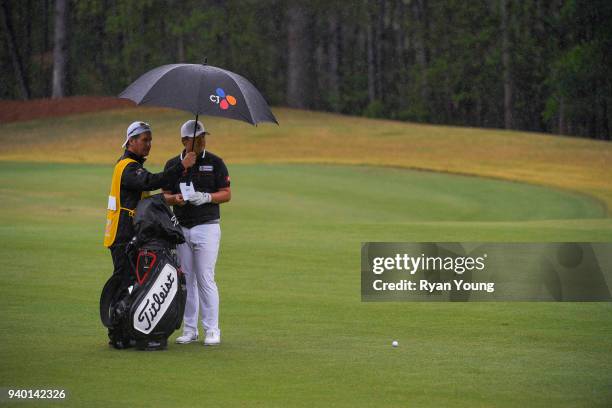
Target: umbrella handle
[(195, 128)]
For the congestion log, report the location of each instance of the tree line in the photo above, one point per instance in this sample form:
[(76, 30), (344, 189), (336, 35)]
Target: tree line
[(537, 65)]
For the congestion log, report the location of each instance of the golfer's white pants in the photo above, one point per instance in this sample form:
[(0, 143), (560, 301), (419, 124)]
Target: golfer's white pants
[(198, 256)]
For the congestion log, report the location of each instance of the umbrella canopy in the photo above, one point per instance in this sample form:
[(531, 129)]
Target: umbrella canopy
[(201, 90)]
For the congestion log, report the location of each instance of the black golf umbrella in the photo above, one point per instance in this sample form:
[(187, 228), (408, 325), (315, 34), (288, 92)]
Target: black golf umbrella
[(202, 90)]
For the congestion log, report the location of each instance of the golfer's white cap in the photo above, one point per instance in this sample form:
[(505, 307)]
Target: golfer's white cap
[(187, 129), (135, 129)]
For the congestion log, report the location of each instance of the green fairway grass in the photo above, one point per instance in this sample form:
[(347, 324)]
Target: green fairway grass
[(295, 332)]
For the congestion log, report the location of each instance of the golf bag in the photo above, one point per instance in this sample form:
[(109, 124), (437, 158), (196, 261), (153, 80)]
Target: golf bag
[(146, 312)]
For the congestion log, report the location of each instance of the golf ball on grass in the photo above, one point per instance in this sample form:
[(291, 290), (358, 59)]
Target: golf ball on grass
[(394, 343)]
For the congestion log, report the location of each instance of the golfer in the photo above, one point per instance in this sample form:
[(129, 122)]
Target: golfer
[(199, 218), (131, 181)]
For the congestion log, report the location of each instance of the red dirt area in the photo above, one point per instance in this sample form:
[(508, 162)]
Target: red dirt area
[(13, 111)]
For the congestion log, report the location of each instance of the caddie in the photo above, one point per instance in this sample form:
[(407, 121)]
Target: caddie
[(131, 182)]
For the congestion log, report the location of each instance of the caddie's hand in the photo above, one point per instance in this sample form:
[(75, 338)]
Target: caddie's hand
[(199, 198), (189, 160)]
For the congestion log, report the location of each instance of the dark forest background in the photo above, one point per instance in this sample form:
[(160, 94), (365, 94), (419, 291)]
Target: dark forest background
[(538, 65)]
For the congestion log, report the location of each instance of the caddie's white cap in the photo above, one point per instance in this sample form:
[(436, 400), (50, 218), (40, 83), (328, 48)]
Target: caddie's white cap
[(135, 129), (187, 129)]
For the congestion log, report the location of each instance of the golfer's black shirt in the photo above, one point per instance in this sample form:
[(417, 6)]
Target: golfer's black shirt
[(209, 175), (134, 180)]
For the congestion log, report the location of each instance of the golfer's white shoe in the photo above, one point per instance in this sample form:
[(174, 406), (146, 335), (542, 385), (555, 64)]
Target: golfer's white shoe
[(213, 338), (187, 338)]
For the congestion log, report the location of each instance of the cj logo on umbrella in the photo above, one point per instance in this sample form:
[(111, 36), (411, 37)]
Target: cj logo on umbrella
[(224, 101)]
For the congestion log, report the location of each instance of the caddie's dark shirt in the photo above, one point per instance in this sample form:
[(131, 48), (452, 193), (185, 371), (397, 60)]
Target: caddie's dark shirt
[(209, 176), (134, 180)]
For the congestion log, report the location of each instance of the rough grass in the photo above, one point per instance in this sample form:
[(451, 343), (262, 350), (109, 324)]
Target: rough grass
[(312, 137)]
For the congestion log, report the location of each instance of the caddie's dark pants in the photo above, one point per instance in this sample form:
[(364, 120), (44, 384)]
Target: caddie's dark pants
[(122, 267), (121, 263)]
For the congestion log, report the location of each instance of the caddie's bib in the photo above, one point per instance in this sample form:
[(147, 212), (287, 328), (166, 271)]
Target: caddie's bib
[(113, 209)]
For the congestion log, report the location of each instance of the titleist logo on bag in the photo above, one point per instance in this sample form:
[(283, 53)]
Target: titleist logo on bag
[(157, 300)]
